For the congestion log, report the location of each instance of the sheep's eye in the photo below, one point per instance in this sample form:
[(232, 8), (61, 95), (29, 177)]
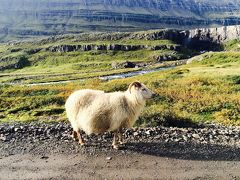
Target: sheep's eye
[(144, 90)]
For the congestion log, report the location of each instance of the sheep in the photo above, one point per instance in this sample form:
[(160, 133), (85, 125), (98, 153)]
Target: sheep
[(95, 111)]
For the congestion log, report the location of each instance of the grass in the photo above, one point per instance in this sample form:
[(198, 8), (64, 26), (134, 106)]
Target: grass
[(233, 45), (203, 91), (188, 94), (219, 58)]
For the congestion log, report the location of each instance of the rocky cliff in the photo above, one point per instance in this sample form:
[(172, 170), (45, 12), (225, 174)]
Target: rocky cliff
[(210, 38), (220, 34), (49, 17), (198, 39)]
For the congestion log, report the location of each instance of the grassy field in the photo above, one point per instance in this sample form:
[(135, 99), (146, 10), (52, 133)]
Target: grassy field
[(206, 91)]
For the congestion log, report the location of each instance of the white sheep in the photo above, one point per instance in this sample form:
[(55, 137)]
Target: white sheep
[(96, 112)]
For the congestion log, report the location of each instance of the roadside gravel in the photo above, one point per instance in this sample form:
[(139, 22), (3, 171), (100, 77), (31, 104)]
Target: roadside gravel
[(206, 142)]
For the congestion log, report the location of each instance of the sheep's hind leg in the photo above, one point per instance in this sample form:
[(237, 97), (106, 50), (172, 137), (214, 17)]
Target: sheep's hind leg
[(115, 140), (74, 135), (81, 140)]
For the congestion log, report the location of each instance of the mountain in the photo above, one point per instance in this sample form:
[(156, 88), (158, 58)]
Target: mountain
[(28, 18)]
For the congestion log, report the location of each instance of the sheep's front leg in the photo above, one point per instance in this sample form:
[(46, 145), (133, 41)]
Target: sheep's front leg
[(74, 135), (81, 140), (115, 140)]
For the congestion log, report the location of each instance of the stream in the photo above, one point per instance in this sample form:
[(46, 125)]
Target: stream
[(130, 74), (107, 77)]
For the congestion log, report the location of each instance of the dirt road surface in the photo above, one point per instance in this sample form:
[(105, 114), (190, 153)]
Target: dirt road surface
[(47, 152), (136, 166)]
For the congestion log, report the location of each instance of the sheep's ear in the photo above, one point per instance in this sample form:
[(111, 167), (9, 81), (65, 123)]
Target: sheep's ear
[(136, 84)]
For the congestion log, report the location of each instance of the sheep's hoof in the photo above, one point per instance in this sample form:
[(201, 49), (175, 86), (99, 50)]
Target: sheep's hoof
[(72, 136), (75, 139), (115, 147), (82, 143)]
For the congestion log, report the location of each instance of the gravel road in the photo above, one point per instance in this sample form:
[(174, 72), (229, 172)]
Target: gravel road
[(46, 151)]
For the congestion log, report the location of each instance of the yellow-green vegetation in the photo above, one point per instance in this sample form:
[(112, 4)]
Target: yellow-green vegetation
[(200, 92), (219, 58), (233, 45), (207, 90)]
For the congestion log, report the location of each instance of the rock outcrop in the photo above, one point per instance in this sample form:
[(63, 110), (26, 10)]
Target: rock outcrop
[(89, 47), (210, 38), (113, 47), (201, 39), (219, 35), (13, 63)]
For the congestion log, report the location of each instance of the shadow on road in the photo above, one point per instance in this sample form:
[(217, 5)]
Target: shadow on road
[(189, 151)]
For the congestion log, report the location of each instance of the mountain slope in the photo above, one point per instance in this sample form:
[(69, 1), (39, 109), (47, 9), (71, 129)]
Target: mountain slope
[(24, 18)]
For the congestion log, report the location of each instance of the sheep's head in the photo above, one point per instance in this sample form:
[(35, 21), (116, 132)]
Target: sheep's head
[(140, 90)]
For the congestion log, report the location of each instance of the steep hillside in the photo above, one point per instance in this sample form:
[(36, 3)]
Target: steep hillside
[(27, 18)]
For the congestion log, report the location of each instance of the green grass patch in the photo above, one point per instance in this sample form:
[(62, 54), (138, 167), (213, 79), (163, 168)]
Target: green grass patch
[(207, 90), (186, 96), (233, 45), (219, 58)]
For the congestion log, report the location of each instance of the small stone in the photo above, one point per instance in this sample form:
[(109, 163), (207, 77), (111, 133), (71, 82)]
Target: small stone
[(11, 128), (108, 158), (196, 136), (167, 140), (177, 140), (44, 157), (214, 132), (148, 132), (185, 138), (135, 133), (157, 137), (3, 138)]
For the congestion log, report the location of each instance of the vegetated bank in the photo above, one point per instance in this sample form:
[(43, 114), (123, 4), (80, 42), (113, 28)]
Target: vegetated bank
[(207, 90)]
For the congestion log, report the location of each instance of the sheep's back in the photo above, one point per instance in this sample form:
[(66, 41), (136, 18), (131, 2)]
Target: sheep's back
[(80, 100)]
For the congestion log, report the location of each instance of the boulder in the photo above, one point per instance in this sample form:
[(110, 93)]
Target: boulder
[(129, 64)]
